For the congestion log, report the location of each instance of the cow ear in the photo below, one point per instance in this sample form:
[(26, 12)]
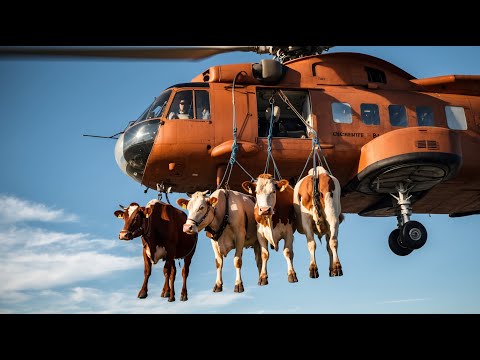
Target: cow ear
[(212, 200), (183, 203), (189, 194), (164, 214), (118, 214), (282, 184), (248, 186)]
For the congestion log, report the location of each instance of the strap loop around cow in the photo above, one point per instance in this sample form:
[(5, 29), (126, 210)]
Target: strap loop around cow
[(212, 234)]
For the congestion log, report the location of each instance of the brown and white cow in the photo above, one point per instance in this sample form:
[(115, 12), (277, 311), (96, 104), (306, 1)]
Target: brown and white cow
[(161, 228), (276, 220), (319, 212), (227, 217)]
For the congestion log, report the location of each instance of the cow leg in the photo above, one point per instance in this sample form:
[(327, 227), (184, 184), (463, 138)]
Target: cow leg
[(218, 287), (173, 272), (166, 285), (264, 254), (147, 271), (185, 271), (258, 256), (335, 268), (237, 263), (288, 254), (313, 269)]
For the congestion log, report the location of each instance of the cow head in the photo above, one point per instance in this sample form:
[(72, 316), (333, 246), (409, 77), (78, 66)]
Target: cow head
[(200, 211), (133, 216), (265, 188)]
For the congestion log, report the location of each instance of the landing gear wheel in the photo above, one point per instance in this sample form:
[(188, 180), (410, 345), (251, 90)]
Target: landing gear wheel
[(414, 235), (395, 244)]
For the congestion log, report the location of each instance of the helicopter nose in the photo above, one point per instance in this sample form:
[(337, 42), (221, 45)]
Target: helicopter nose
[(134, 146)]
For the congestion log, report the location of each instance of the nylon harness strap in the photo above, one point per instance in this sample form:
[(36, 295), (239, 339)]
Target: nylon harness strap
[(316, 197), (212, 234)]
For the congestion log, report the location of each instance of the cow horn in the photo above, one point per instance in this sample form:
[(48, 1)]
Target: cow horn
[(205, 192), (122, 207)]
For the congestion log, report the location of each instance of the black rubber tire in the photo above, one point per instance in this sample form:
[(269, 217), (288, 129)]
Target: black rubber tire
[(395, 244), (414, 235)]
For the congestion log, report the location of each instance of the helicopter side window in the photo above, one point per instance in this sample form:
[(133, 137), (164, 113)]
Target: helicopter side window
[(342, 113), (182, 106), (202, 104), (425, 116), (397, 115), (369, 114), (456, 119)]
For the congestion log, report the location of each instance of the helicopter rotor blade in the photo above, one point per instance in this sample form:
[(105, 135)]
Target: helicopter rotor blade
[(127, 52)]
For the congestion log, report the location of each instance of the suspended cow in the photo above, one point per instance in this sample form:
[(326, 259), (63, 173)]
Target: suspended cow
[(160, 226), (276, 220), (317, 206), (227, 217)]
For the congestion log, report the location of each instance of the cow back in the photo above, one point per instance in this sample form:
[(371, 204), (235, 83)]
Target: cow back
[(241, 207), (166, 230)]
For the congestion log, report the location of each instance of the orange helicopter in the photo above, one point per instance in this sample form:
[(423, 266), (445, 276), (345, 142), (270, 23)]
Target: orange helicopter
[(395, 143)]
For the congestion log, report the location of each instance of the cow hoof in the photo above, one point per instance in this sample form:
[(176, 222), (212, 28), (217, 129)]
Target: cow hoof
[(263, 281), (217, 288), (165, 294), (336, 272), (239, 288), (142, 294), (183, 298), (314, 273), (171, 299), (292, 278)]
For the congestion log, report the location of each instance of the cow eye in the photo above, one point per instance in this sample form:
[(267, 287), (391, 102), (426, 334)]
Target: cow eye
[(202, 207)]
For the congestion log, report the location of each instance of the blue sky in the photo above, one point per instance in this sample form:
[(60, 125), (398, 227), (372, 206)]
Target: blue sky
[(59, 247)]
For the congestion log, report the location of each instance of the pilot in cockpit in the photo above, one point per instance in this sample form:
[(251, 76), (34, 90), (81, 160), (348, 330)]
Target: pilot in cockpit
[(182, 112)]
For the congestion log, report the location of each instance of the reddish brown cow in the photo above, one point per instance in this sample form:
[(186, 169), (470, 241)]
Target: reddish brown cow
[(161, 228)]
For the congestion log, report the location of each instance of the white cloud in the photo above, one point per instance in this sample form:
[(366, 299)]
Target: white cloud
[(38, 259), (403, 301), (13, 210), (31, 270), (87, 300)]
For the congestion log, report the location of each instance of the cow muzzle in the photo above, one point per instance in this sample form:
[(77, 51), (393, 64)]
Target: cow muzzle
[(190, 229), (125, 235), (265, 211)]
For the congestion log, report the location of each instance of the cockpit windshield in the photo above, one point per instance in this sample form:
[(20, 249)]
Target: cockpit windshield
[(156, 108)]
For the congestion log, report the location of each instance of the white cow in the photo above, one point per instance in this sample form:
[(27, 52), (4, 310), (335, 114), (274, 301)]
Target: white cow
[(228, 218), (319, 212), (276, 220)]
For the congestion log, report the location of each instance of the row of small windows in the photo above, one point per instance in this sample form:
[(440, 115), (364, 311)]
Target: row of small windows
[(397, 114)]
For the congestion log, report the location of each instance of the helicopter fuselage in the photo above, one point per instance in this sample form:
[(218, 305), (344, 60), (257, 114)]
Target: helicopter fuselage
[(372, 124)]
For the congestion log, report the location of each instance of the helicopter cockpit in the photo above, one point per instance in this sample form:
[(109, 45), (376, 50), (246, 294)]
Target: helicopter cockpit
[(135, 144)]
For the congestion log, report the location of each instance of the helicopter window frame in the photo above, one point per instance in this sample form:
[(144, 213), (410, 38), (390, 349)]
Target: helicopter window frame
[(370, 114), (456, 118), (202, 104), (397, 115), (287, 123), (342, 112), (173, 111), (425, 116)]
